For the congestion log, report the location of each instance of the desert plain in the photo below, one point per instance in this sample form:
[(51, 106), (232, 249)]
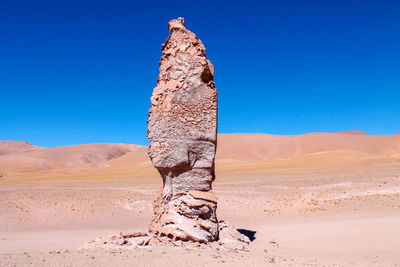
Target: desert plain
[(319, 199)]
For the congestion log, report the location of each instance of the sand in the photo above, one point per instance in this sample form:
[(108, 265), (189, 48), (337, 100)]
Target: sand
[(332, 200)]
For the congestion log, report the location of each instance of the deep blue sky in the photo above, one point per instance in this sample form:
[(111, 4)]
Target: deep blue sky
[(76, 72)]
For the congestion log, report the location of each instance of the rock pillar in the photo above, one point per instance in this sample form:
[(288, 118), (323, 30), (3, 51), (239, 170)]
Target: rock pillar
[(182, 129)]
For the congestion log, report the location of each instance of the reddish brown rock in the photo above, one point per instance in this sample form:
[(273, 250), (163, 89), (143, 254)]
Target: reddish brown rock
[(183, 135)]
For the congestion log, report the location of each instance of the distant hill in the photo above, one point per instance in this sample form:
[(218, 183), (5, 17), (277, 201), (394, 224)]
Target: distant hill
[(239, 151), (11, 147), (355, 132), (259, 147), (29, 158)]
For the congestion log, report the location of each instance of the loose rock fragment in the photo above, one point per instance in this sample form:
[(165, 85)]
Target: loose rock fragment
[(231, 238), (131, 240)]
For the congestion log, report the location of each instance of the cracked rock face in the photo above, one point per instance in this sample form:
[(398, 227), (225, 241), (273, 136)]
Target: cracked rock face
[(182, 129)]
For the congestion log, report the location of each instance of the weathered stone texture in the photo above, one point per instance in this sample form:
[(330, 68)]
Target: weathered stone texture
[(182, 129)]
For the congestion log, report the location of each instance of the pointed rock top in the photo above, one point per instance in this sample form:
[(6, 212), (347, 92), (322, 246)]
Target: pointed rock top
[(178, 23)]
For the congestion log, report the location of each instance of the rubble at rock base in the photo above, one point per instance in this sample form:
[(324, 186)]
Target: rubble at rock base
[(229, 239)]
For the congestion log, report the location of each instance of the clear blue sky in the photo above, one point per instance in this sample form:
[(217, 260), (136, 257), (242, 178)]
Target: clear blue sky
[(76, 72)]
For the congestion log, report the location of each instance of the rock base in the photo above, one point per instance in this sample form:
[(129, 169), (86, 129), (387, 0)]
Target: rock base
[(229, 239), (187, 216)]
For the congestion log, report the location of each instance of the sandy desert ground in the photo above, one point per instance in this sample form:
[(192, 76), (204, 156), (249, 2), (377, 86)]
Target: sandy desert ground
[(320, 199)]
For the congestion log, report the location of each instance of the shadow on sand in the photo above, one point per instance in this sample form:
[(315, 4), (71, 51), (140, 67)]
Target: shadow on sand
[(250, 234)]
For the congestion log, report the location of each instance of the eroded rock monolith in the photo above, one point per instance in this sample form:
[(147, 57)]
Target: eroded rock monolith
[(182, 129), (183, 135)]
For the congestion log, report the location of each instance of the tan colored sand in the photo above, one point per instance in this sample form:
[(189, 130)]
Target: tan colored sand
[(332, 203)]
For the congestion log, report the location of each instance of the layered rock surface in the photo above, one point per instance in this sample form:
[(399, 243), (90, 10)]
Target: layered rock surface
[(229, 239), (182, 129)]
